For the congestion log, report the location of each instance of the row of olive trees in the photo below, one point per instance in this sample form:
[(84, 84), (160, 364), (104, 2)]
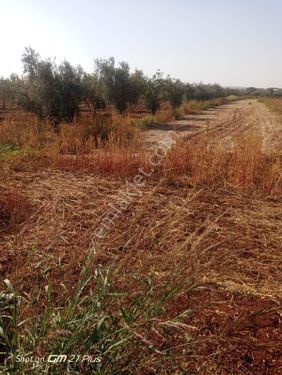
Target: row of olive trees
[(258, 92), (54, 92)]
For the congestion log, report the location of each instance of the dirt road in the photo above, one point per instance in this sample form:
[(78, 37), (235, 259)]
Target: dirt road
[(224, 122)]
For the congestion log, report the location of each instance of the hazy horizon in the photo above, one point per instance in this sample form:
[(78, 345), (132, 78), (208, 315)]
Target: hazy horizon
[(233, 44)]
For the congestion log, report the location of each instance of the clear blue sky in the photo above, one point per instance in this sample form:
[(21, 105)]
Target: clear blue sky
[(232, 42)]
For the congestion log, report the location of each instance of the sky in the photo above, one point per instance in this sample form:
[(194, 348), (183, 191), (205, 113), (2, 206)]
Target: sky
[(230, 42)]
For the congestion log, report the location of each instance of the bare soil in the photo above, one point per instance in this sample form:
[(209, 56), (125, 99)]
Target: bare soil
[(224, 123)]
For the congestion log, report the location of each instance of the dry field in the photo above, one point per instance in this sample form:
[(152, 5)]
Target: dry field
[(178, 274)]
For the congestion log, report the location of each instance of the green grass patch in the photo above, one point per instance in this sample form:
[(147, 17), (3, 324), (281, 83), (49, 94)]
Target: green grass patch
[(9, 151), (143, 122), (83, 326)]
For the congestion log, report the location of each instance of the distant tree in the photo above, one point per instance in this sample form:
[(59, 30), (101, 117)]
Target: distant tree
[(8, 89), (174, 91), (30, 60), (93, 92), (51, 92), (214, 91), (4, 91), (154, 93), (139, 83), (189, 91), (120, 88), (253, 91), (70, 90)]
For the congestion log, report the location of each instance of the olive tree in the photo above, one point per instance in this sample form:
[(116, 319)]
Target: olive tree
[(93, 92), (51, 92), (174, 91), (7, 90), (154, 93), (120, 88)]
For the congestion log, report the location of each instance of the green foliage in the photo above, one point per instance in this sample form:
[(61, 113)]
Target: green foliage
[(51, 92), (204, 92), (144, 122), (121, 89), (55, 92), (93, 92), (174, 92), (7, 89), (84, 325), (269, 92), (8, 151), (153, 93)]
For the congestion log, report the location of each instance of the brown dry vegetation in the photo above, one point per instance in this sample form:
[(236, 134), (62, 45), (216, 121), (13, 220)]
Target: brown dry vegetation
[(14, 209), (195, 259)]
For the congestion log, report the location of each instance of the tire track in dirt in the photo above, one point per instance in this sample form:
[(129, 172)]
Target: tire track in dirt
[(224, 123)]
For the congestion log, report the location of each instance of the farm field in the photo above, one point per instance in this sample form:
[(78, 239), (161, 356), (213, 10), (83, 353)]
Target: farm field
[(225, 122), (141, 187), (164, 258)]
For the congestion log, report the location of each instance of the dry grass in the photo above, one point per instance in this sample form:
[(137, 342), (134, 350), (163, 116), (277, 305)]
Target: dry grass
[(196, 162), (14, 209), (204, 161), (26, 132), (194, 285), (160, 117), (274, 104), (194, 106), (80, 137), (217, 249)]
